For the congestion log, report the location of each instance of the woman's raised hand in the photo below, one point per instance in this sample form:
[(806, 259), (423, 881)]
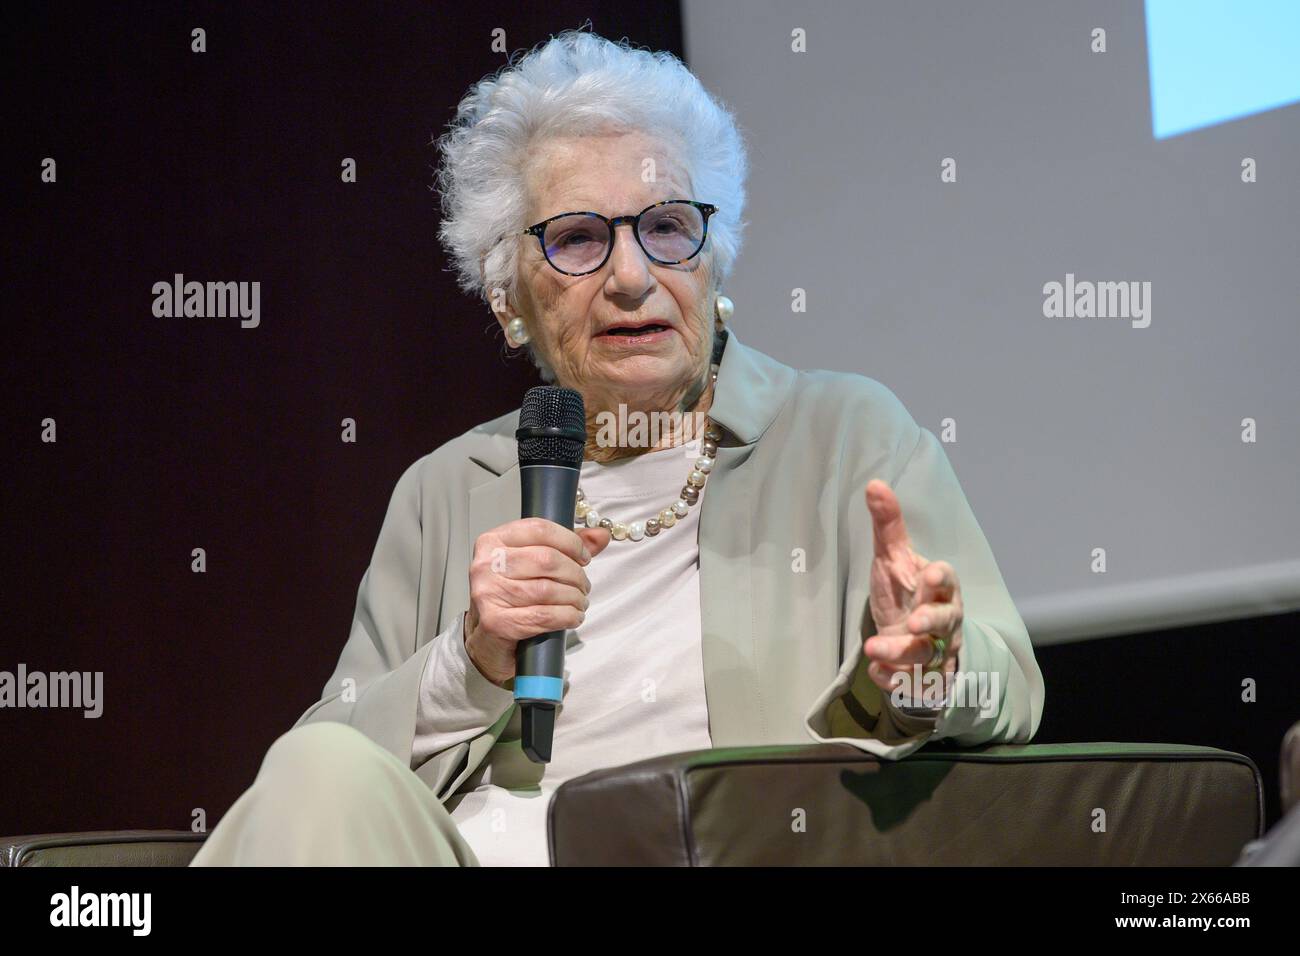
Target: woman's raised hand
[(913, 601)]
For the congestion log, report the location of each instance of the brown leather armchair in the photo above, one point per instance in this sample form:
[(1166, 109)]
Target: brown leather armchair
[(1111, 804), (1108, 804)]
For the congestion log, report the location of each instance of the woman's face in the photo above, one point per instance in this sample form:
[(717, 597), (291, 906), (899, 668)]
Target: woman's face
[(568, 317)]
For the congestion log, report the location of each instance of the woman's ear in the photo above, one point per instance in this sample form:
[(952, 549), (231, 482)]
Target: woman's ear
[(499, 303), (503, 320)]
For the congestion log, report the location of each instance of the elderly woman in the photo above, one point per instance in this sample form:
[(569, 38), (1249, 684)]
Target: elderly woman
[(807, 569)]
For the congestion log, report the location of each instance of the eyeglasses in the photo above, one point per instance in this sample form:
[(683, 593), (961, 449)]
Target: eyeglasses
[(579, 243)]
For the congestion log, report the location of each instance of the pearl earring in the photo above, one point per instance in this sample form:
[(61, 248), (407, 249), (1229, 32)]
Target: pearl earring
[(724, 308), (516, 332)]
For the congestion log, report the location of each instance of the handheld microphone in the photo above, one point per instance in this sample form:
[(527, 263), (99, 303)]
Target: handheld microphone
[(551, 435)]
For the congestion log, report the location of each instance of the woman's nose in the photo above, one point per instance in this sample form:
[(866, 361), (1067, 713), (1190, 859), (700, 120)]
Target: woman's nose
[(631, 268)]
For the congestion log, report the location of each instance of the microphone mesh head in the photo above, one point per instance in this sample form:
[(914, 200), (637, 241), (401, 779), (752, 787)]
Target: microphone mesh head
[(550, 406)]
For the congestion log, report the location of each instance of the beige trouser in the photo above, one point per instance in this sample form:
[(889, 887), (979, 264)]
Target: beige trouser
[(327, 795)]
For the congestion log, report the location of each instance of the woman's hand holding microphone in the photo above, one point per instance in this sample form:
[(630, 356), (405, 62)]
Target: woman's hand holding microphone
[(526, 578)]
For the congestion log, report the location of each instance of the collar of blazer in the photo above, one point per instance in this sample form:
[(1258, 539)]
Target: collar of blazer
[(752, 387)]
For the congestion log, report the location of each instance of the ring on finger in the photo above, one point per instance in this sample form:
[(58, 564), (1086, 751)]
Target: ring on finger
[(936, 659)]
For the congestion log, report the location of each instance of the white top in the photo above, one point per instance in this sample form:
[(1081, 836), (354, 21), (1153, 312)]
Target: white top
[(633, 674)]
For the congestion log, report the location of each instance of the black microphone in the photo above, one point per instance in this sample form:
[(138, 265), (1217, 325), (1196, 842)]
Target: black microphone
[(552, 434)]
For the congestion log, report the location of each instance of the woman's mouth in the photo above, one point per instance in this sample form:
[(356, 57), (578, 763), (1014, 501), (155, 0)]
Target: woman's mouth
[(636, 334)]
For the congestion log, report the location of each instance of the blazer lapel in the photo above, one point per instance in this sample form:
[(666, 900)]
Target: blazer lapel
[(750, 391), (493, 503), (726, 619)]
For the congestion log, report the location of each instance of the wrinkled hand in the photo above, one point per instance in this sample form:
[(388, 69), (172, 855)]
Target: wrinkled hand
[(526, 578), (913, 601)]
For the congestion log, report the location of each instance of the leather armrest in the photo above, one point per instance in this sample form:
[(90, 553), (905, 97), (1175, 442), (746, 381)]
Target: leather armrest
[(1289, 768), (1112, 804), (102, 848)]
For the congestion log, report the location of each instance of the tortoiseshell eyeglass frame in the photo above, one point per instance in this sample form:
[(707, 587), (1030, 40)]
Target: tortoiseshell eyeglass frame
[(539, 230)]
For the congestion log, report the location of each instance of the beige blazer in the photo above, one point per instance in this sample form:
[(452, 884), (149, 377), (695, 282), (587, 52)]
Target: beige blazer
[(785, 549)]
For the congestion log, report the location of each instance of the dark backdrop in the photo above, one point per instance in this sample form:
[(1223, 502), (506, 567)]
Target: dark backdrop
[(183, 433)]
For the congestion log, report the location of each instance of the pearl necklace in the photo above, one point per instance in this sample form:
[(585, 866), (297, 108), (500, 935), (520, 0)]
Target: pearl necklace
[(588, 516)]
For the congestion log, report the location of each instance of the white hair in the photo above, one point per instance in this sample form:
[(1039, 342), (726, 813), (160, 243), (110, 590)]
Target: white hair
[(577, 83)]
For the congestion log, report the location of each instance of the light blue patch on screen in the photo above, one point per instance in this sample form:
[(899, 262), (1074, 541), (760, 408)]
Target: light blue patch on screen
[(1217, 60)]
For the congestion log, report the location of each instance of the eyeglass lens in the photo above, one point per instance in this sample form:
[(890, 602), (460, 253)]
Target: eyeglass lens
[(669, 233)]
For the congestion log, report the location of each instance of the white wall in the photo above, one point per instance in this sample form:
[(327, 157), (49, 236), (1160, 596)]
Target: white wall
[(1072, 434)]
